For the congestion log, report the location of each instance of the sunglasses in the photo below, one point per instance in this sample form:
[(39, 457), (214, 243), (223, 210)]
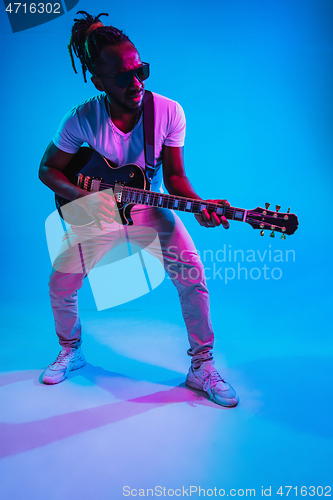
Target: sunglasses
[(124, 79)]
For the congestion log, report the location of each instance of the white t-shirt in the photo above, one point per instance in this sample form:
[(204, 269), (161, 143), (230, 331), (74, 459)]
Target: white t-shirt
[(90, 123)]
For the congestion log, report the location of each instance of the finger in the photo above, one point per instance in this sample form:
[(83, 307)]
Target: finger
[(201, 220), (104, 211), (211, 219), (105, 218), (205, 216), (107, 198), (206, 219), (225, 222), (98, 224), (215, 219), (225, 203), (207, 222), (98, 215)]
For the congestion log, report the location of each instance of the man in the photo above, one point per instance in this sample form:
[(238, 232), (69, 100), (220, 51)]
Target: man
[(111, 123)]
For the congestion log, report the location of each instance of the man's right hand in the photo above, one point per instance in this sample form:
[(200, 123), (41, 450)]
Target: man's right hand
[(99, 205)]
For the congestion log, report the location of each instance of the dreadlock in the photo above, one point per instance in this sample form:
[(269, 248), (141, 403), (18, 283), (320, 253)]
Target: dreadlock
[(89, 36)]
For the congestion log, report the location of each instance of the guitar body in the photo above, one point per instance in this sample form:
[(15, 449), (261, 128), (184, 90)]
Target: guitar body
[(91, 171)]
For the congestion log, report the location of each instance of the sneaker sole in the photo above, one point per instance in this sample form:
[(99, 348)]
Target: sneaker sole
[(227, 404), (53, 381)]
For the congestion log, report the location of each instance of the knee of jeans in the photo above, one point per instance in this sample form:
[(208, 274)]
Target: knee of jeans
[(64, 284), (189, 274), (167, 219)]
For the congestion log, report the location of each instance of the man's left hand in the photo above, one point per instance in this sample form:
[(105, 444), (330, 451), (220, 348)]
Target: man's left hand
[(207, 219)]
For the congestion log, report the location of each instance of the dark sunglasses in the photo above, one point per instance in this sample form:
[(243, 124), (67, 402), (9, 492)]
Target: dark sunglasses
[(124, 79)]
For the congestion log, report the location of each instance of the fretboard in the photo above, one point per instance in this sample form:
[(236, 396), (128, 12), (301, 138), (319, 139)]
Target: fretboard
[(127, 194)]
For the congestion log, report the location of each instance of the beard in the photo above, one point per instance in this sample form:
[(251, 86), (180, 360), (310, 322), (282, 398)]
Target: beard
[(123, 106)]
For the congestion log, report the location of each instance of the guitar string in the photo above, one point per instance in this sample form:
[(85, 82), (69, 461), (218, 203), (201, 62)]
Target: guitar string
[(153, 197), (167, 197), (266, 225)]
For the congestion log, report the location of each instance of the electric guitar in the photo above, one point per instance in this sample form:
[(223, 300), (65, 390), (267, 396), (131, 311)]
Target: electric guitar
[(91, 171)]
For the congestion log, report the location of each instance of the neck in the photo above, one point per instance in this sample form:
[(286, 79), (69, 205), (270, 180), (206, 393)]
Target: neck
[(124, 119)]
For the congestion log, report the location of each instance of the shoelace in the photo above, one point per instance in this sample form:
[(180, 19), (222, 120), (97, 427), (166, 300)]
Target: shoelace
[(61, 357), (214, 377)]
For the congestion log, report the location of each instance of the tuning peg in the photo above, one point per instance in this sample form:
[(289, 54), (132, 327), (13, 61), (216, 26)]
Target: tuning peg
[(272, 235), (288, 211), (267, 205), (262, 232), (283, 237), (277, 207)]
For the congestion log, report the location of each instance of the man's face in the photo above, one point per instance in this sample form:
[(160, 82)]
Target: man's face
[(115, 60)]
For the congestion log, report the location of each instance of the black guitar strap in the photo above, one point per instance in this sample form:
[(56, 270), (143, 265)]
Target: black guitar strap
[(149, 135)]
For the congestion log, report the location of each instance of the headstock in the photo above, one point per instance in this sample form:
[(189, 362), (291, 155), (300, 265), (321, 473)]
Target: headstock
[(275, 221)]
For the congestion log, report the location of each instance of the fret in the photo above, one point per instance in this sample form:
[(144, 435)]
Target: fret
[(238, 214), (170, 202), (152, 200), (157, 199), (165, 202), (196, 208), (182, 205), (162, 200)]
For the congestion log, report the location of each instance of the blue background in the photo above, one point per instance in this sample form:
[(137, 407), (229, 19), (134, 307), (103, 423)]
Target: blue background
[(255, 79)]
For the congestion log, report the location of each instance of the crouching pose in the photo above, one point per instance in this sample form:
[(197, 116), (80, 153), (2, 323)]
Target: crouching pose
[(112, 124)]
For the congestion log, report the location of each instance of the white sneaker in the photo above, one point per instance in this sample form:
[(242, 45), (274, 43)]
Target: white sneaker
[(68, 359), (206, 378)]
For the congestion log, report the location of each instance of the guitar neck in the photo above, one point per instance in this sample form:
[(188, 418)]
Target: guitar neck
[(127, 194), (95, 174)]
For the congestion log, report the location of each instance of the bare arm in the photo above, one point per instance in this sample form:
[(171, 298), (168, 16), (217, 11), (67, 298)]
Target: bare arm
[(175, 179), (177, 182), (51, 172)]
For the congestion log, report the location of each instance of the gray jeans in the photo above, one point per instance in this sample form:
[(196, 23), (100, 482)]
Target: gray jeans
[(83, 247)]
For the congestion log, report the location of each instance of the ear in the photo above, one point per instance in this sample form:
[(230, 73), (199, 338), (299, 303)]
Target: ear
[(98, 83)]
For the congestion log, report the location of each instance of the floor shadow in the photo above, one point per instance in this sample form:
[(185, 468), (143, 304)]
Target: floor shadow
[(18, 438), (19, 376), (295, 393)]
